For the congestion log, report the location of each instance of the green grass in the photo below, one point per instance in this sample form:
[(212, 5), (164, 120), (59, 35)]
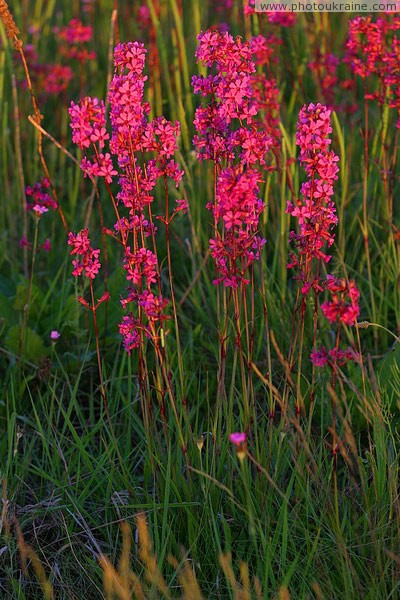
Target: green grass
[(303, 527)]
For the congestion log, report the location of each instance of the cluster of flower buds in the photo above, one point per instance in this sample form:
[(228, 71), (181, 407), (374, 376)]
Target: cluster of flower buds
[(40, 200), (372, 50), (144, 152), (315, 211), (230, 129), (316, 218), (87, 262)]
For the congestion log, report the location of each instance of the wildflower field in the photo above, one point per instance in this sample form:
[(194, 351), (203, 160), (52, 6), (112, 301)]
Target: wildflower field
[(199, 302)]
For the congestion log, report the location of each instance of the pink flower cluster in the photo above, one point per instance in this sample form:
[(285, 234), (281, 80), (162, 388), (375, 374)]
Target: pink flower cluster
[(134, 136), (284, 19), (40, 199), (229, 128), (88, 263), (238, 207), (88, 123), (74, 38), (344, 306), (144, 152), (315, 212), (57, 78), (47, 78), (337, 356), (228, 119), (263, 48), (316, 217), (373, 50)]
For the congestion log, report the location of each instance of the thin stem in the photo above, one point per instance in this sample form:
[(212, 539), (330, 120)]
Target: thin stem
[(96, 334), (23, 332)]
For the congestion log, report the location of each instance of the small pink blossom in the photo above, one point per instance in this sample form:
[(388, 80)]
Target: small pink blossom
[(238, 438), (46, 246), (181, 205), (54, 335), (39, 210), (319, 358), (24, 243)]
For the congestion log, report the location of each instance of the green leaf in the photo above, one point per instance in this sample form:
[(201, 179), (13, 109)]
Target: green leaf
[(36, 300), (7, 312), (34, 345)]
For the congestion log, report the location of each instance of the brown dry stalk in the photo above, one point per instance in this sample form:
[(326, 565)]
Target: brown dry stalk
[(27, 552), (12, 30)]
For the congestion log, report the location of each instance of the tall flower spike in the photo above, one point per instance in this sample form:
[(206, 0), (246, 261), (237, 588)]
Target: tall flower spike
[(315, 212), (133, 138), (229, 128)]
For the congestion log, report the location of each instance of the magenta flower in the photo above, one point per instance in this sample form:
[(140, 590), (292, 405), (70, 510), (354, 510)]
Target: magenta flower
[(57, 79), (315, 211), (130, 329), (131, 55), (229, 129), (40, 201), (54, 335), (46, 246), (141, 266), (24, 243), (76, 32), (373, 54), (337, 356), (344, 306), (238, 438), (88, 263), (284, 19), (74, 38), (143, 153), (39, 210), (319, 358), (88, 121)]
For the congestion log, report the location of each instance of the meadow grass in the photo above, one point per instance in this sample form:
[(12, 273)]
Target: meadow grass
[(126, 501)]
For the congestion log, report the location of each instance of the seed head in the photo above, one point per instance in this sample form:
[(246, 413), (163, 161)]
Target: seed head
[(12, 30)]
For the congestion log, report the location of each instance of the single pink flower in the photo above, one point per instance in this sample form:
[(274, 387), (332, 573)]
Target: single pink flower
[(238, 438)]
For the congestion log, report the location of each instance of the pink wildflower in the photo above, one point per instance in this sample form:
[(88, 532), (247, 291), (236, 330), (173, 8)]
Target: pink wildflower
[(373, 54), (74, 38), (319, 358), (88, 263), (24, 243), (228, 128), (141, 265), (337, 356), (88, 121), (344, 306), (75, 32), (238, 438), (57, 79), (40, 200), (284, 19), (133, 138), (315, 211), (46, 246), (130, 328)]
